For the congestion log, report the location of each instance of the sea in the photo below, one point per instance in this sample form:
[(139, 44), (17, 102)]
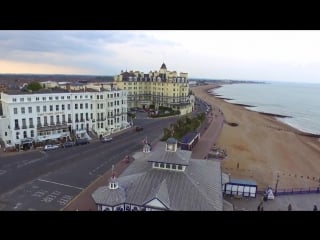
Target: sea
[(300, 101)]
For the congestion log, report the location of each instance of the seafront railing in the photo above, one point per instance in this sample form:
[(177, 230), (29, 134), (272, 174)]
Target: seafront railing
[(291, 191)]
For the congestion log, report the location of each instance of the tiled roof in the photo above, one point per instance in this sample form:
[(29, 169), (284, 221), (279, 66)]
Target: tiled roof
[(198, 188)]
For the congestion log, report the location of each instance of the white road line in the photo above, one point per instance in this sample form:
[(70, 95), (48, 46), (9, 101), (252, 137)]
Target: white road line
[(66, 185)]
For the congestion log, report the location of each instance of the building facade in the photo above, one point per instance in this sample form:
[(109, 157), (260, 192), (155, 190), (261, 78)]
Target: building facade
[(57, 113), (158, 88)]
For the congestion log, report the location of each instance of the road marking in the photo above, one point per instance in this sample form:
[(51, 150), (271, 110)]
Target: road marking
[(66, 185)]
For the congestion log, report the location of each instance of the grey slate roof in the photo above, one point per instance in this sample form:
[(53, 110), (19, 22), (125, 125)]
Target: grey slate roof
[(198, 188), (109, 197), (159, 154)]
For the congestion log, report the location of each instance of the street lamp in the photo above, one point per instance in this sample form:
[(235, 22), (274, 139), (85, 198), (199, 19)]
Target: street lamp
[(276, 189)]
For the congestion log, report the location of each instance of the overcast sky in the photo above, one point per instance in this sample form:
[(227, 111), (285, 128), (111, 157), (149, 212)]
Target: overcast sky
[(239, 55)]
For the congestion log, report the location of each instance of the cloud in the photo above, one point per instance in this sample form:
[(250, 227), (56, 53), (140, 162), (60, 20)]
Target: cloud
[(251, 55)]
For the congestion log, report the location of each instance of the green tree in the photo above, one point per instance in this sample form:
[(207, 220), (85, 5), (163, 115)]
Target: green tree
[(34, 86)]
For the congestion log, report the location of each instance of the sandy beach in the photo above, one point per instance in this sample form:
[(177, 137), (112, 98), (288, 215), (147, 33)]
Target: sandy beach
[(261, 147)]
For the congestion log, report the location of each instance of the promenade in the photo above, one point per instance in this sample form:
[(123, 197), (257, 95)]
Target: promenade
[(215, 120)]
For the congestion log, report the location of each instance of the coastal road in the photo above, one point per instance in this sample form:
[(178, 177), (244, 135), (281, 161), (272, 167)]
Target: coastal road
[(38, 180)]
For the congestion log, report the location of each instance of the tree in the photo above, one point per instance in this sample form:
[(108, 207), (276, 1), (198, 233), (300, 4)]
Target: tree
[(34, 86)]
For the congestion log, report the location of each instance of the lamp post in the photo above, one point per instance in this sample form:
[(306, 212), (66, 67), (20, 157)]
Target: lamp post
[(276, 189)]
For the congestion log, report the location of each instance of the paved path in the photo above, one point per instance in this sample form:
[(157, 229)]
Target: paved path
[(299, 202), (209, 137)]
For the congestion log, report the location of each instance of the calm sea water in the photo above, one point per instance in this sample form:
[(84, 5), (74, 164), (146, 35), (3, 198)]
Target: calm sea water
[(299, 100)]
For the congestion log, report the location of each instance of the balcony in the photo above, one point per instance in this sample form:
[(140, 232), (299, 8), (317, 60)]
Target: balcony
[(24, 126), (69, 121), (58, 123), (39, 125), (31, 126), (64, 122), (81, 120), (16, 127)]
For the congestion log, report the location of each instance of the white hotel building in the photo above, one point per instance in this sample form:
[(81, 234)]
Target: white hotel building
[(71, 110)]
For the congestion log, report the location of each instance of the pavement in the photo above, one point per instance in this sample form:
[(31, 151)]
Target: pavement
[(299, 202), (215, 120)]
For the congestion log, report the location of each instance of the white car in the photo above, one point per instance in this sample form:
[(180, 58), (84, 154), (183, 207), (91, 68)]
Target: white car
[(50, 147), (106, 139)]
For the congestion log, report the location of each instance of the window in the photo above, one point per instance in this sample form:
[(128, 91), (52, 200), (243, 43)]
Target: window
[(5, 133), (30, 122), (15, 111), (32, 133), (21, 99), (101, 106), (29, 99), (57, 98), (44, 108), (45, 120), (44, 98), (97, 96), (68, 97), (37, 98), (101, 96), (23, 110), (14, 99), (69, 107), (76, 106), (62, 107), (86, 105), (91, 106), (76, 97), (17, 135), (51, 108), (57, 119), (24, 134), (81, 106), (51, 120), (62, 97), (38, 109), (179, 167), (162, 165), (29, 109)]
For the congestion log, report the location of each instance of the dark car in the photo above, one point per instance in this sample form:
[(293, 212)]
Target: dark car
[(68, 144), (139, 128), (82, 141)]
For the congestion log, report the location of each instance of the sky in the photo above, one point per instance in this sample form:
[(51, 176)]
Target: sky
[(290, 56)]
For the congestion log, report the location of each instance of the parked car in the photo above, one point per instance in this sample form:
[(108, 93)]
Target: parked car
[(82, 141), (68, 144), (139, 128), (50, 147), (106, 139)]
